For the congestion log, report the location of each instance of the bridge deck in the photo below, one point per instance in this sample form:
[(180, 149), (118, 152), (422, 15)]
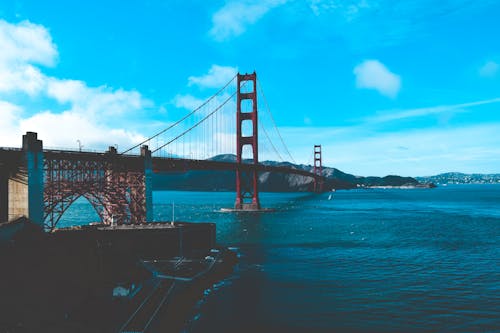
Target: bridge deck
[(12, 156)]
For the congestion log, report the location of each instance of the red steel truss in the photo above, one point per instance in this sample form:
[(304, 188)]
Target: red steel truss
[(115, 188)]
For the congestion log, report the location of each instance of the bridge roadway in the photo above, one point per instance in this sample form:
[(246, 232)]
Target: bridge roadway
[(12, 157)]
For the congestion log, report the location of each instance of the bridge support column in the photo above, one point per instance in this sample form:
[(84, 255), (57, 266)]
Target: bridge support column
[(148, 182), (4, 196), (318, 169), (128, 193), (25, 192), (112, 212), (247, 181)]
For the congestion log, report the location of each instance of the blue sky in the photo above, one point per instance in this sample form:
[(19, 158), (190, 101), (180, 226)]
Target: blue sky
[(387, 87)]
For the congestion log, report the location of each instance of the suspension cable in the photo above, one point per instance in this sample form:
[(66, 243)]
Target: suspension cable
[(196, 125), (269, 139), (182, 119), (274, 123)]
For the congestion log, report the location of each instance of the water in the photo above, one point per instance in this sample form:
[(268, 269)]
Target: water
[(365, 261)]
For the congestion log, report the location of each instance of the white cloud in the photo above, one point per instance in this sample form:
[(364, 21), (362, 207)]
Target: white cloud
[(97, 116), (102, 100), (349, 9), (27, 43), (489, 69), (430, 151), (23, 45), (65, 91), (224, 101), (235, 16), (9, 112), (372, 74), (10, 134), (189, 102), (63, 129), (20, 77), (216, 77), (421, 112)]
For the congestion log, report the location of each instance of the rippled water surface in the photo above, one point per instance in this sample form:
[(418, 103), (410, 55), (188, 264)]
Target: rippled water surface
[(364, 261)]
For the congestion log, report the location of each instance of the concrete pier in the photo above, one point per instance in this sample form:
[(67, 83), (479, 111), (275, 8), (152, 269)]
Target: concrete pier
[(4, 196), (148, 182), (21, 187)]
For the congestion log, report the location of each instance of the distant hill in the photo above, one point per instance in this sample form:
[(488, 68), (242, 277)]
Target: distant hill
[(271, 181), (462, 178)]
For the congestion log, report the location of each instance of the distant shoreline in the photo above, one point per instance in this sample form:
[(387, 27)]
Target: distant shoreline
[(402, 187)]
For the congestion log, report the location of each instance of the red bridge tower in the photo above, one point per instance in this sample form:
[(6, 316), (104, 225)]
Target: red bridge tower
[(247, 182), (318, 169)]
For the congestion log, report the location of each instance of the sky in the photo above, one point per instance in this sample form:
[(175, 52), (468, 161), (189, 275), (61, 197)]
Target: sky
[(386, 87)]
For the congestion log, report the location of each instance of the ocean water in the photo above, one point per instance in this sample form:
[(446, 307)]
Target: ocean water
[(381, 260)]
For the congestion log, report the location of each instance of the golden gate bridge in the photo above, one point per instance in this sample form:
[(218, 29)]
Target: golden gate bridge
[(43, 183)]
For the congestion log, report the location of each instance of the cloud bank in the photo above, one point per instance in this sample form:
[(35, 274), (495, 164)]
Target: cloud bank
[(96, 116)]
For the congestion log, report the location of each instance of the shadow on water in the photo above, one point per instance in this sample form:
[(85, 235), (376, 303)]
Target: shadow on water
[(222, 306)]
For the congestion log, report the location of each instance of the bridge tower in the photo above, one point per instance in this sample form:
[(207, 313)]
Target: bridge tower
[(318, 169), (247, 182)]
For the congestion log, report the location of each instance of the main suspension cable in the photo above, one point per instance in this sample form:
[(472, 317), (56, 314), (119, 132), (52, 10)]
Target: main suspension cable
[(269, 139), (274, 122), (182, 119), (196, 125)]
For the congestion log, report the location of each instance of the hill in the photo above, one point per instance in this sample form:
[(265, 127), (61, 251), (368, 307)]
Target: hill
[(271, 181), (462, 178)]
